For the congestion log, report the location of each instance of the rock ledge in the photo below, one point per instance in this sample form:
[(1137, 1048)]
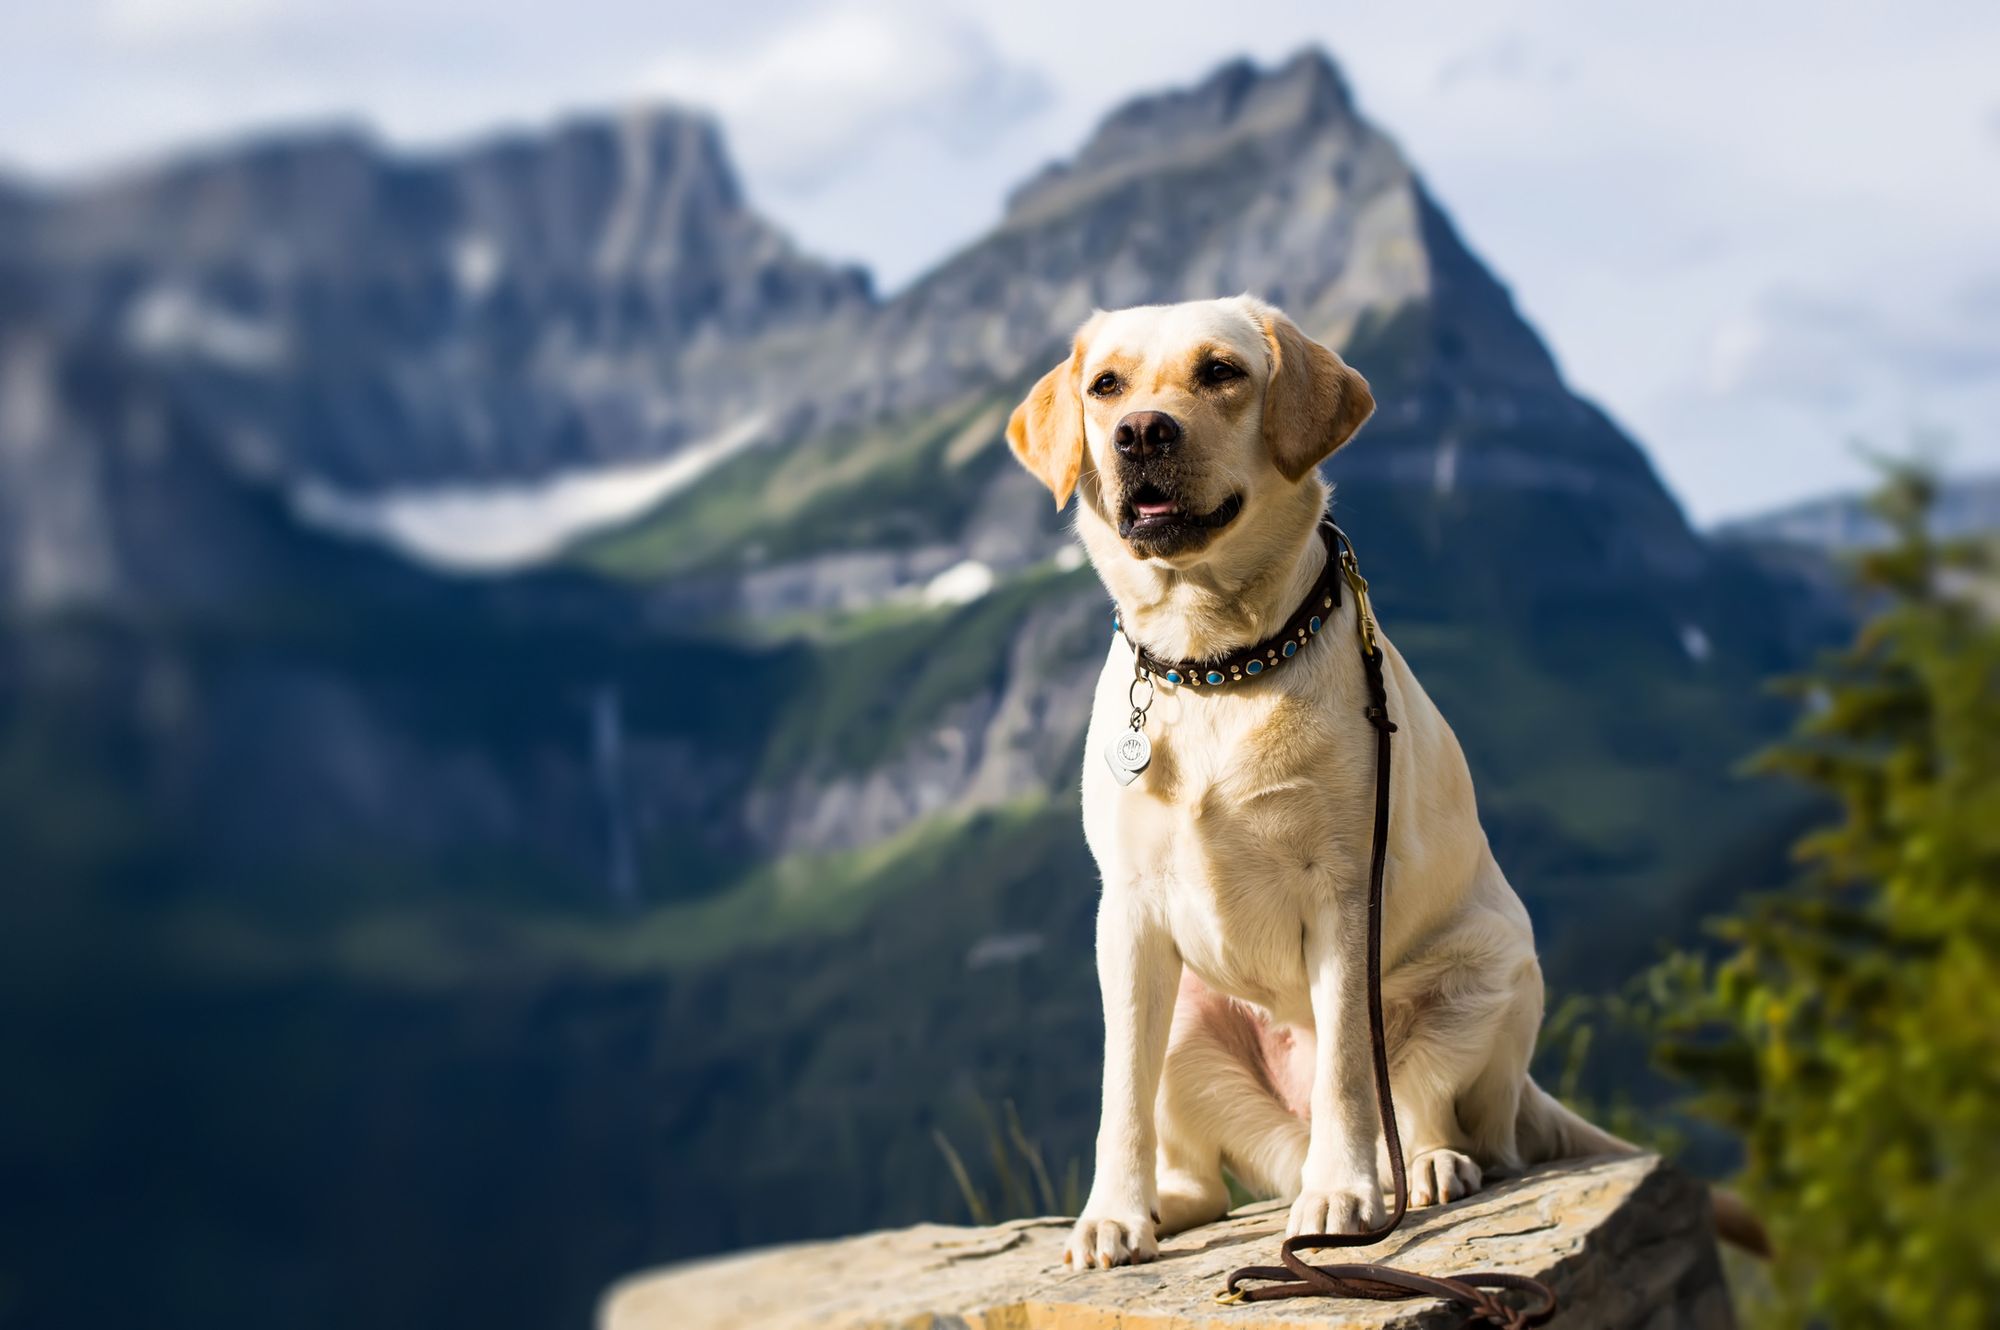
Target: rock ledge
[(1625, 1242)]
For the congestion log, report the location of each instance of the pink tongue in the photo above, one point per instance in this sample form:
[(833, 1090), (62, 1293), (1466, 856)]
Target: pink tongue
[(1152, 509)]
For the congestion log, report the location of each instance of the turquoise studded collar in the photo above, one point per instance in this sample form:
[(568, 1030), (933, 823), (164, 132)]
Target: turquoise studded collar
[(1129, 752), (1245, 665)]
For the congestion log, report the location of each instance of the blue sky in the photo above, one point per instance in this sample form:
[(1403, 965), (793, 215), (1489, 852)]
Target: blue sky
[(1755, 233)]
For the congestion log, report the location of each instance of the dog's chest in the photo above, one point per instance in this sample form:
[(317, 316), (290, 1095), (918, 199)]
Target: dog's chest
[(1233, 834)]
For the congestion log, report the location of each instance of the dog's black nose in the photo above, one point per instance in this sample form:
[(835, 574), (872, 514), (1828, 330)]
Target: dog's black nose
[(1146, 434)]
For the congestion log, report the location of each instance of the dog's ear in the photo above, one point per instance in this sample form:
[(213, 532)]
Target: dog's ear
[(1314, 401), (1046, 429)]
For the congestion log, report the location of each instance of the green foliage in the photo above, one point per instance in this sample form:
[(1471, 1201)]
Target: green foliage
[(870, 693), (887, 487), (1849, 1033)]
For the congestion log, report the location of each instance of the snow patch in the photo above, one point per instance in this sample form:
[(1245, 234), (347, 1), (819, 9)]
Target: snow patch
[(495, 528), (171, 320), (475, 265), (960, 584)]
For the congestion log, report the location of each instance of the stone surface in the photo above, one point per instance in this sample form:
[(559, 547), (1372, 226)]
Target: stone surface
[(1624, 1242)]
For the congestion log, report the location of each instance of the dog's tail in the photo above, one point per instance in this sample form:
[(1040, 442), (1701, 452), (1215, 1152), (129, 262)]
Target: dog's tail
[(1548, 1129), (1736, 1223)]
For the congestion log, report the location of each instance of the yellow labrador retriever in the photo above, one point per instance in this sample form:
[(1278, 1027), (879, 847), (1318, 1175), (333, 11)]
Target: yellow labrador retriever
[(1235, 861)]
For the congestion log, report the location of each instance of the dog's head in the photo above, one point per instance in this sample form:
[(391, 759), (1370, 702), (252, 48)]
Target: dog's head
[(1176, 420)]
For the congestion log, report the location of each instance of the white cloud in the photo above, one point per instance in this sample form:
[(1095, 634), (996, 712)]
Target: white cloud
[(148, 22), (805, 101), (1826, 351), (1506, 57), (1799, 385)]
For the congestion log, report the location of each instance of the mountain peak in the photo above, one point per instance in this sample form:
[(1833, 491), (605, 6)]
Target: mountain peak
[(645, 144), (1306, 89), (1239, 102), (1259, 179), (587, 195), (503, 307)]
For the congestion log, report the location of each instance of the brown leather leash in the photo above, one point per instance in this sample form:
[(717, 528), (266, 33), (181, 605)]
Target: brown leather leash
[(1297, 1277)]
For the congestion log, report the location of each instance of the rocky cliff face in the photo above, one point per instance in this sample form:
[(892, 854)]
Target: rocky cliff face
[(1502, 495), (528, 304), (322, 311), (1254, 180)]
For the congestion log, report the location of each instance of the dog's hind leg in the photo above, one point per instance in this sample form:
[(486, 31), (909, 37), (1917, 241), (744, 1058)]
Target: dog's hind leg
[(1461, 1036), (1217, 1105), (1189, 1158), (1491, 1106), (1192, 1190)]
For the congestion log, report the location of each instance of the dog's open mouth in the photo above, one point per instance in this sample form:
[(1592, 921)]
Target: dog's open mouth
[(1153, 518)]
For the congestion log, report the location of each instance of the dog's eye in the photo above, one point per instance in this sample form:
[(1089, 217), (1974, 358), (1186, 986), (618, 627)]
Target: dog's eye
[(1219, 371), (1104, 384)]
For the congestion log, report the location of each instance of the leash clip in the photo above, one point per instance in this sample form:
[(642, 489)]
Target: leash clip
[(1350, 568), (1363, 609)]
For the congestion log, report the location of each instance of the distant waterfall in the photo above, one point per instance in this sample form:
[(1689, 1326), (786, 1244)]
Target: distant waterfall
[(607, 761)]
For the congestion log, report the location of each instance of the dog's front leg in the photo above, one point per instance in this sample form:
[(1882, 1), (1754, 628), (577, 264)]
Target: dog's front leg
[(1138, 972), (1339, 1191)]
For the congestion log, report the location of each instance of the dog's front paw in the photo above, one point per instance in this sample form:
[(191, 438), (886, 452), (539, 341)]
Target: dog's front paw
[(1441, 1176), (1336, 1210), (1108, 1240)]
